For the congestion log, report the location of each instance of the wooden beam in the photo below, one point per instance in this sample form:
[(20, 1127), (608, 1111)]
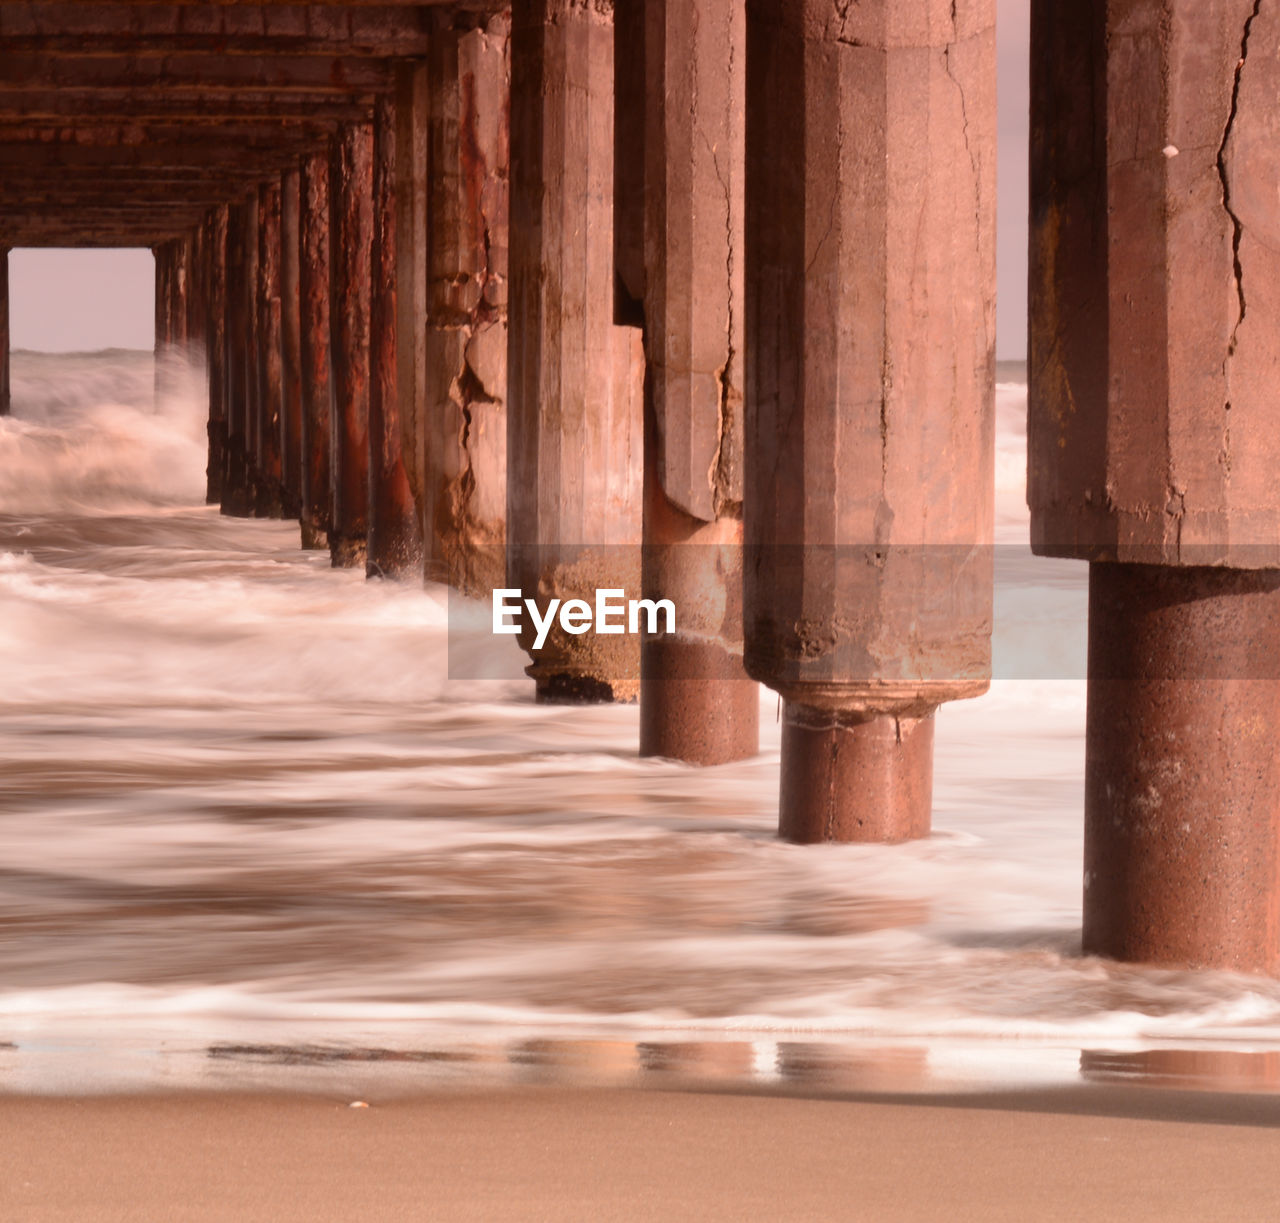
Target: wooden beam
[(157, 29), (203, 71)]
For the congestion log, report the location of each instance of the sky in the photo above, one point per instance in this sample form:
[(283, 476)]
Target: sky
[(69, 301)]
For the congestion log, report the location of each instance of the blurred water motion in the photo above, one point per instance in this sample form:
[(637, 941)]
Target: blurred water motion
[(243, 807)]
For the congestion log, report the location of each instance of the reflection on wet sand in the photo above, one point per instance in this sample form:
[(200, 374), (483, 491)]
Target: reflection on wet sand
[(833, 1067), (1197, 1069)]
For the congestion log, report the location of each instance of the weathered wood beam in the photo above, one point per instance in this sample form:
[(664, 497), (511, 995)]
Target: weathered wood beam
[(153, 29), (204, 71), (176, 154), (90, 131), (125, 105)]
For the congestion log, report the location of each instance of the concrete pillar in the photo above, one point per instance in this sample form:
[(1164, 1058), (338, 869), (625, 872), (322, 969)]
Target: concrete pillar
[(351, 207), (268, 419), (1182, 787), (1154, 340), (630, 114), (215, 280), (290, 345), (870, 292), (411, 278), (393, 546), (236, 498), (466, 356), (172, 315), (574, 387), (162, 253), (251, 375), (317, 373), (5, 391), (197, 301), (696, 702)]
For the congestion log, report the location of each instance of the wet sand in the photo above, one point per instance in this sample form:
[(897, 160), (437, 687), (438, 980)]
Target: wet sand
[(1096, 1153)]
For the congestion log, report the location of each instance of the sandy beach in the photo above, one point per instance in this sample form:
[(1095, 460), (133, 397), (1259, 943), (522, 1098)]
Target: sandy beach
[(1094, 1153)]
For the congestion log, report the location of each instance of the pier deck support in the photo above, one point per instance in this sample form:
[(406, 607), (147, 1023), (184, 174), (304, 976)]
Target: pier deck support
[(466, 346), (574, 397), (696, 701), (236, 498), (1155, 335), (317, 375), (412, 242), (172, 316), (870, 287), (351, 203), (5, 391), (394, 544), (215, 289), (269, 407), (291, 344)]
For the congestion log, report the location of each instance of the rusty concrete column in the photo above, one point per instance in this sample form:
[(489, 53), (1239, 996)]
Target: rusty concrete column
[(630, 114), (574, 390), (251, 370), (268, 420), (172, 312), (870, 290), (162, 253), (411, 276), (351, 251), (314, 267), (465, 484), (696, 702), (6, 397), (215, 280), (393, 545), (197, 302), (1154, 339), (236, 498), (290, 345), (1182, 788)]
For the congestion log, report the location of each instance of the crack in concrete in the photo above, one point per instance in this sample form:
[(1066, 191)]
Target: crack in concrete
[(1224, 177)]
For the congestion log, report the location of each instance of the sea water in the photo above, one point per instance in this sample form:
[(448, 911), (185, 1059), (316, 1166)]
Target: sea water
[(250, 826)]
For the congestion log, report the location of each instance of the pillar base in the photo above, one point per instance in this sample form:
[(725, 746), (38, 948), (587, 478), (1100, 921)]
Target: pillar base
[(1182, 776), (855, 777), (696, 703), (347, 553), (314, 539), (563, 688)]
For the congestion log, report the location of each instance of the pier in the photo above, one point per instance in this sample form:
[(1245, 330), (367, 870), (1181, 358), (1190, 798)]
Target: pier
[(695, 300)]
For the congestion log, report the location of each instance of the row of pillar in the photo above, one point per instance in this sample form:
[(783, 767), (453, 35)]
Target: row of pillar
[(697, 298)]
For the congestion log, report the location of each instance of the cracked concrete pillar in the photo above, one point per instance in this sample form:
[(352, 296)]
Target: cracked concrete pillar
[(1154, 341), (696, 701), (870, 293), (215, 281), (291, 343), (317, 374), (394, 546), (236, 499), (574, 390), (5, 392), (265, 429), (465, 475), (351, 247)]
